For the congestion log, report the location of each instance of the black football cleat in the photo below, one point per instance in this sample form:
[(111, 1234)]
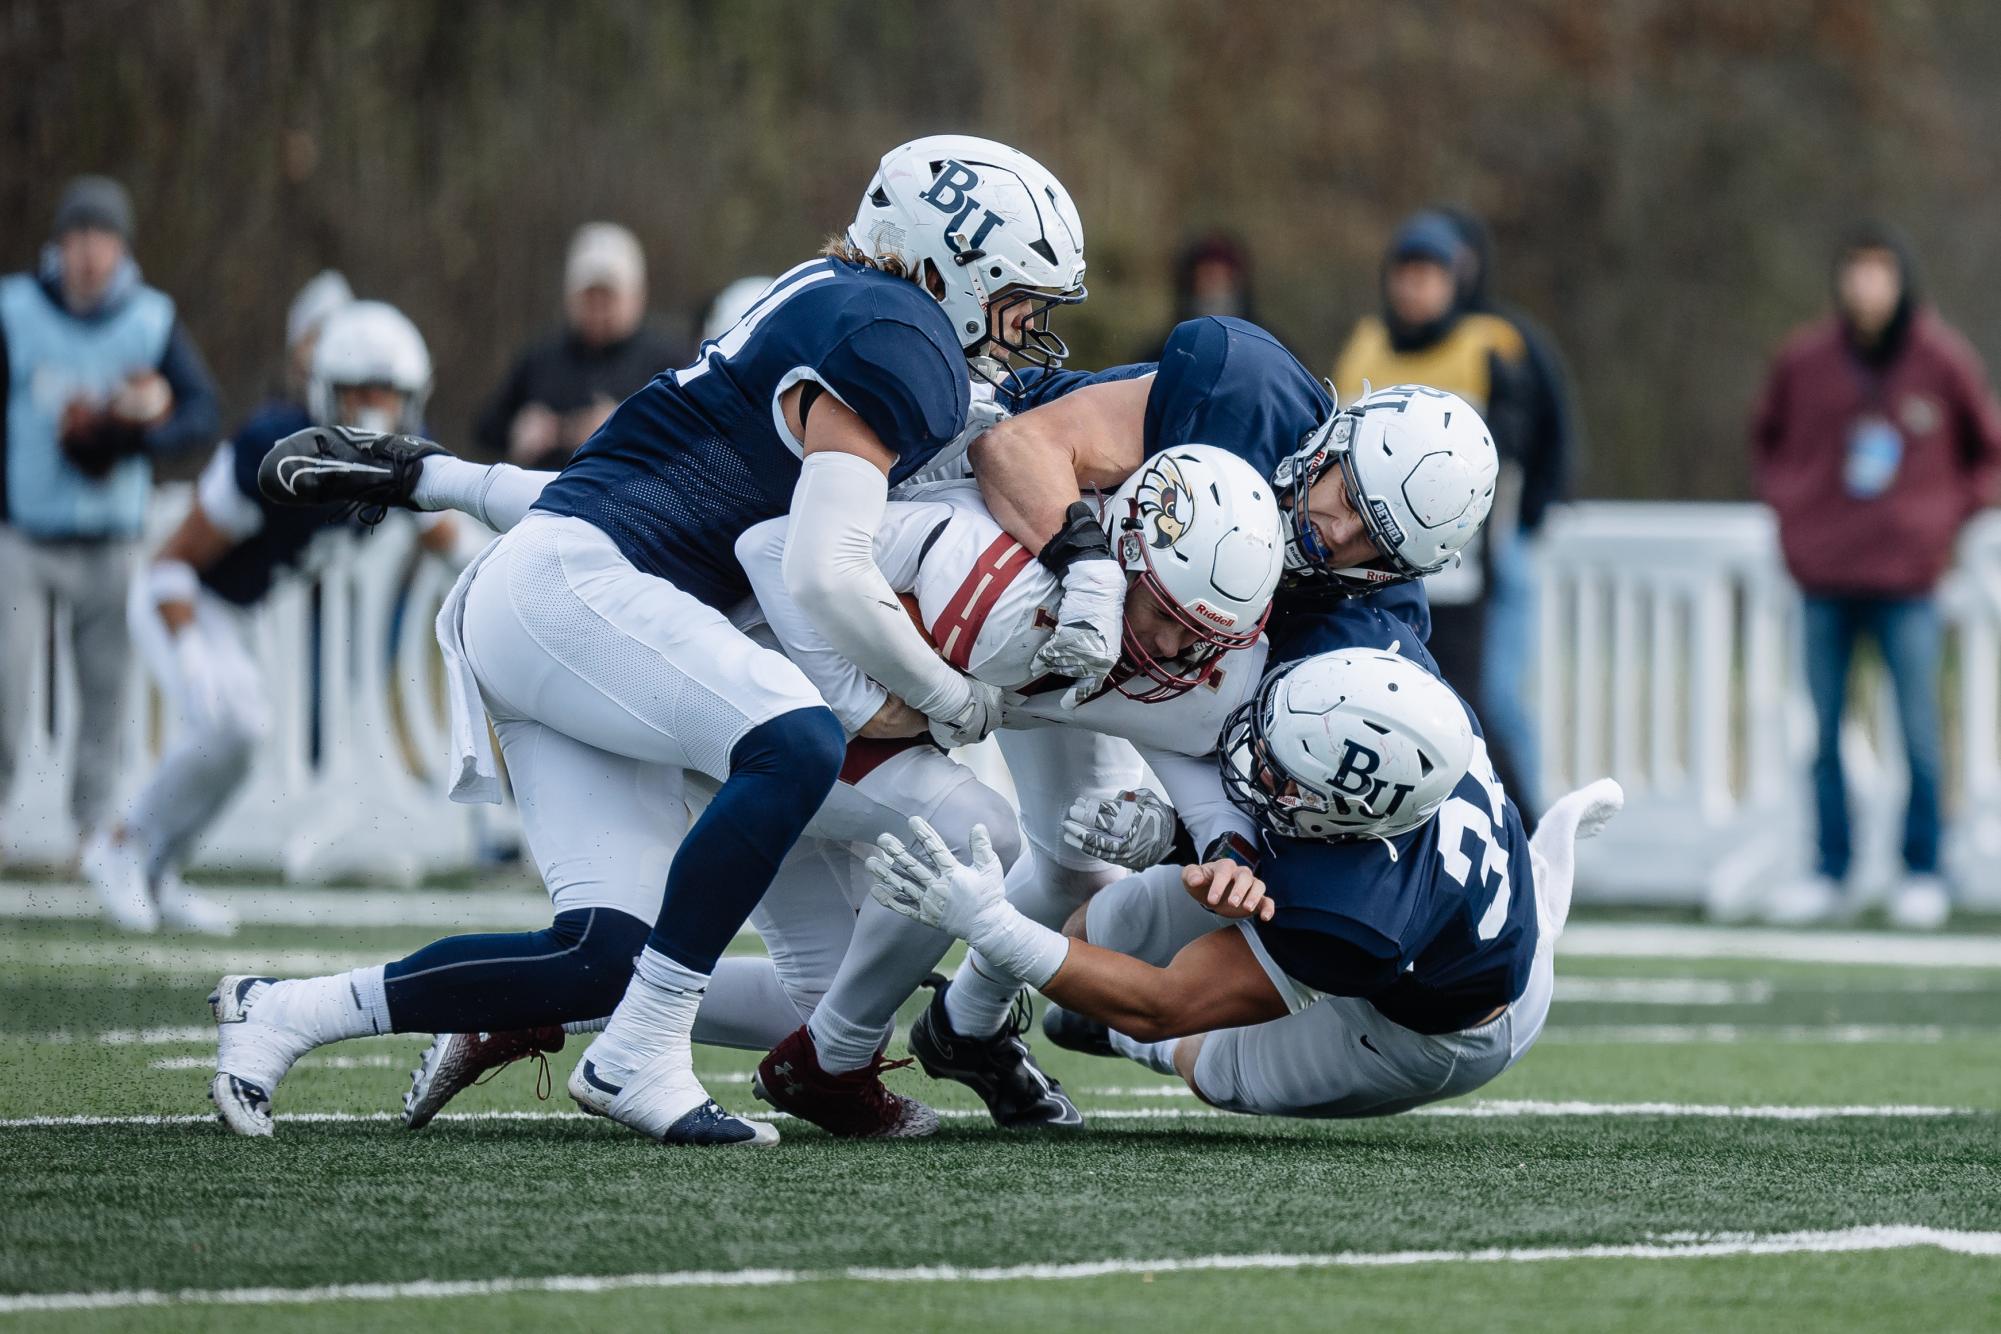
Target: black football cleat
[(1075, 1032), (1001, 1069)]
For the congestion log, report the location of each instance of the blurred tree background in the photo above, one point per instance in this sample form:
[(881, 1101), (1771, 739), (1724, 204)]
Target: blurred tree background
[(1664, 177)]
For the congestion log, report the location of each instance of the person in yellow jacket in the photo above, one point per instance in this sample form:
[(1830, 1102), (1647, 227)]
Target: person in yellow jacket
[(1428, 334)]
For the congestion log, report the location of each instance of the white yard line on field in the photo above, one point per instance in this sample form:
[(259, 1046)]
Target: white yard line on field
[(1662, 991), (1632, 940), (1846, 1240), (1497, 1108), (1675, 1035)]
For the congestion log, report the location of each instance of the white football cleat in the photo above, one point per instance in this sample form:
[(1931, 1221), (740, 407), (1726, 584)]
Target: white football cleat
[(1806, 902), (664, 1101), (251, 1053), (181, 909), (117, 872), (454, 1062), (1921, 904)]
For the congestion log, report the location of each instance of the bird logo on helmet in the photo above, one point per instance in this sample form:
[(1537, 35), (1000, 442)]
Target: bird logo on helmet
[(1210, 564), (985, 227), (1356, 743), (1418, 466)]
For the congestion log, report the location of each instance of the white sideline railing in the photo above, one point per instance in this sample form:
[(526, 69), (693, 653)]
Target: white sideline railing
[(1667, 657), (373, 807)]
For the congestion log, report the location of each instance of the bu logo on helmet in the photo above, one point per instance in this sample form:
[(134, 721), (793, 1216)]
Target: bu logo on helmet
[(952, 192), (1352, 779)]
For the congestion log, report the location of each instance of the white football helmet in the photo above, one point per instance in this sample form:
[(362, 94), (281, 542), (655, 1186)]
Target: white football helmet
[(732, 304), (369, 343), (991, 222), (1357, 743), (1419, 465), (1200, 530)]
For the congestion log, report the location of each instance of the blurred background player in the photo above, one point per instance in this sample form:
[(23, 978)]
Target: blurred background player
[(732, 303), (563, 388), (190, 609), (1876, 439), (98, 377), (1427, 333)]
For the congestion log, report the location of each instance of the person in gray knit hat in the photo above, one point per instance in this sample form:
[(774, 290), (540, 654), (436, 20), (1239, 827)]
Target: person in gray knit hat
[(98, 377)]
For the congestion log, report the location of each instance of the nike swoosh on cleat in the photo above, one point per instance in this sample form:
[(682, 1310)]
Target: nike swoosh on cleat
[(591, 1077), (291, 468), (1370, 1045)]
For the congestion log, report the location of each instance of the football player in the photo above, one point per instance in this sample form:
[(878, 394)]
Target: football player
[(593, 634), (1402, 950), (1201, 545), (370, 369)]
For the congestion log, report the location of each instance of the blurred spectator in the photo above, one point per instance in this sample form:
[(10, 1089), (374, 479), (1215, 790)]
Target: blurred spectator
[(1429, 333), (323, 294), (1212, 276), (1535, 479), (98, 377), (562, 389), (731, 303), (1874, 441)]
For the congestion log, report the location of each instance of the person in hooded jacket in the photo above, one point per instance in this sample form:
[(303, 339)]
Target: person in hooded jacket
[(1429, 332), (1212, 277), (1875, 439)]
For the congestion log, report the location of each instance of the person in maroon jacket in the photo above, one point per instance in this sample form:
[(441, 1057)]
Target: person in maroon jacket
[(1875, 439)]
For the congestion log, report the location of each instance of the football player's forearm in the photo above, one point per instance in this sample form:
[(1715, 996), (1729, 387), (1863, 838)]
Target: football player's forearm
[(830, 574), (1214, 982), (1028, 479)]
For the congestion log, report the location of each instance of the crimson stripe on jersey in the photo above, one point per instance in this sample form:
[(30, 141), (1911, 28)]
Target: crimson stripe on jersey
[(959, 624)]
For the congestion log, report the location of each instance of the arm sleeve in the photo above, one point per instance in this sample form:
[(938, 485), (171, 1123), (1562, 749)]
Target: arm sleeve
[(1195, 789), (1551, 458), (830, 571), (898, 381), (196, 420), (1980, 431), (1768, 426), (846, 688)]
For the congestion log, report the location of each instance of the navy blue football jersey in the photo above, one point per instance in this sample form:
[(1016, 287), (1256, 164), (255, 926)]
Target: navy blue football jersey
[(245, 572), (1226, 382), (1436, 936), (686, 464)]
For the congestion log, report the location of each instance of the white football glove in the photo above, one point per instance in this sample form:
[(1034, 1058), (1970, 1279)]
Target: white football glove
[(980, 716), (1089, 622), (1134, 829), (927, 884), (204, 694)]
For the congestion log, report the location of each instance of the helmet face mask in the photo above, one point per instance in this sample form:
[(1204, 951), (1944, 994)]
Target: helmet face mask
[(1418, 468)]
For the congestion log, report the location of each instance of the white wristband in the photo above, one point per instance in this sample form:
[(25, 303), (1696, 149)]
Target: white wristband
[(1021, 947), (172, 581)]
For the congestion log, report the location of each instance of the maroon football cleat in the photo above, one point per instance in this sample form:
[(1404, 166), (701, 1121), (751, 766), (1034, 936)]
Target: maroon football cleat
[(455, 1062), (853, 1105)]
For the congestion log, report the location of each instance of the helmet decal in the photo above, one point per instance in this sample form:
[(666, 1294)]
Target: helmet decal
[(1166, 508)]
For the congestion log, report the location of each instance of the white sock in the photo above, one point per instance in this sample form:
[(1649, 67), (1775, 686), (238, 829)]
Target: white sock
[(654, 1020), (1156, 1056), (498, 495), (979, 998), (843, 1046), (328, 1009)]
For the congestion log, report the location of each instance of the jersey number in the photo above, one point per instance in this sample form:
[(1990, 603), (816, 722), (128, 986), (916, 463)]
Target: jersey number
[(1457, 819)]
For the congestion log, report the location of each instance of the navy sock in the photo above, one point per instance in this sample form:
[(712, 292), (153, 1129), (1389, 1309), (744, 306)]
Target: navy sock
[(576, 969), (779, 774)]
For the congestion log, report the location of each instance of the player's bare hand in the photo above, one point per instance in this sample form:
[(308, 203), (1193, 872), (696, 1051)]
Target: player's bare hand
[(1228, 889), (894, 719)]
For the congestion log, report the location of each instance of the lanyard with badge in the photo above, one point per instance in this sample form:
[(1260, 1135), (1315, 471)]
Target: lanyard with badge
[(1875, 447)]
